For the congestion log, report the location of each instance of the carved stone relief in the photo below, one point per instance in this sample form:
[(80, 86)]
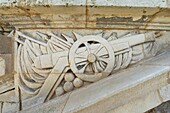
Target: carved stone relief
[(53, 65)]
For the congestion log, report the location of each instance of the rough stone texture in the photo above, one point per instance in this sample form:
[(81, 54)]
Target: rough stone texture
[(2, 67)]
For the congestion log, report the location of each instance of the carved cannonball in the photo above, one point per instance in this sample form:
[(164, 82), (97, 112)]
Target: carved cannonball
[(68, 86), (69, 77), (77, 82), (59, 91)]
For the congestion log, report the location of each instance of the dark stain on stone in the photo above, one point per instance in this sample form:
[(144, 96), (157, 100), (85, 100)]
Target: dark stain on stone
[(115, 19), (28, 9), (66, 5), (48, 6), (144, 11)]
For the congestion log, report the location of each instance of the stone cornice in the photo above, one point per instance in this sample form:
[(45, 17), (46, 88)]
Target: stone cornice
[(138, 15)]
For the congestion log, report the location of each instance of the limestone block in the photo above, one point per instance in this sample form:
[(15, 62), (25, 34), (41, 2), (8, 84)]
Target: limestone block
[(2, 66)]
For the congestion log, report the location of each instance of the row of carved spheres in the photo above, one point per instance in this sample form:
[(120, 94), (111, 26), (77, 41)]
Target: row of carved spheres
[(70, 83)]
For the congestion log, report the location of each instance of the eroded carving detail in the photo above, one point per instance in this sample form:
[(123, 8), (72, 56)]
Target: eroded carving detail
[(53, 65)]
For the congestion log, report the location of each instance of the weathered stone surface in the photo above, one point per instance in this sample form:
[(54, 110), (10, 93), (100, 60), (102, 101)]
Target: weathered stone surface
[(10, 107), (2, 66)]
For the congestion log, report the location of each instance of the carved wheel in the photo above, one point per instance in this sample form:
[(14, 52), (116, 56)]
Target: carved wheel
[(91, 58)]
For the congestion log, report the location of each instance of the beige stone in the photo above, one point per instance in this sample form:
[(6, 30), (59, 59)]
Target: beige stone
[(2, 66)]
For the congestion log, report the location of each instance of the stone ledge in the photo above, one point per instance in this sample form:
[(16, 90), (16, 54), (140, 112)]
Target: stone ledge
[(133, 3), (140, 15), (115, 93)]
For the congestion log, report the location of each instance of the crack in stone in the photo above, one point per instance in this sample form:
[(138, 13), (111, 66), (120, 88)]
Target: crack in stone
[(7, 91)]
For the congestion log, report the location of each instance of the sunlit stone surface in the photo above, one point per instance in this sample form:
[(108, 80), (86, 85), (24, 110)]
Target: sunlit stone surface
[(97, 56)]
